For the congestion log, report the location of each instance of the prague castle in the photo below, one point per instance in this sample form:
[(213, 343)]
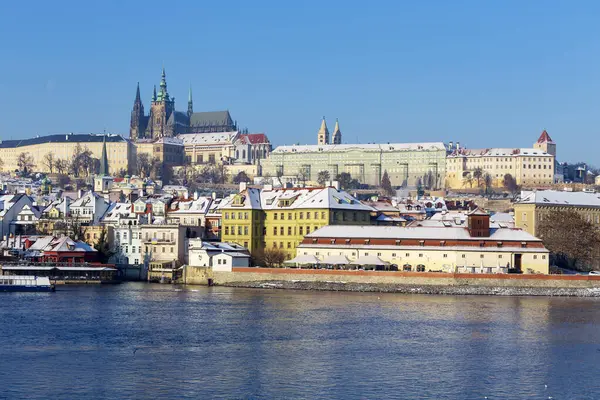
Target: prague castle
[(164, 121)]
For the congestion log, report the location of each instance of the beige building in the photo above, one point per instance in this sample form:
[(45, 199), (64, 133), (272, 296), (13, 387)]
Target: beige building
[(119, 151), (533, 167), (535, 206), (405, 163), (475, 248)]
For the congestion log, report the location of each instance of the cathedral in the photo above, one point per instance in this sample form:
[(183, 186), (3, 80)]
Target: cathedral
[(164, 121)]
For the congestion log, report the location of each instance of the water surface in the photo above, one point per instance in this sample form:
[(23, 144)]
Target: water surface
[(158, 341)]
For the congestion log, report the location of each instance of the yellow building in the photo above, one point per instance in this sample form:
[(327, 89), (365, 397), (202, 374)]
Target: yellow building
[(533, 167), (535, 206), (472, 249), (119, 151), (280, 218)]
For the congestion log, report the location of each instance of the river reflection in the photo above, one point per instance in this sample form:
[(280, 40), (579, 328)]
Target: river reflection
[(151, 341)]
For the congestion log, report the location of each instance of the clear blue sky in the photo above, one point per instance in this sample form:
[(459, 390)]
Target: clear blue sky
[(488, 74)]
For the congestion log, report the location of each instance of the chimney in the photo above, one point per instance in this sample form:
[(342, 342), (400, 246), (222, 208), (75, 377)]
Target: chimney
[(268, 187), (335, 185), (196, 195), (80, 193), (243, 186), (457, 145), (451, 145), (213, 195)]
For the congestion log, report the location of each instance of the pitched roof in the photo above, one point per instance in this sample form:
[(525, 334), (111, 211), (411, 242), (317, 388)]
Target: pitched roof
[(418, 233), (212, 138), (254, 138), (555, 197), (368, 147), (63, 138), (211, 118), (502, 152), (545, 138)]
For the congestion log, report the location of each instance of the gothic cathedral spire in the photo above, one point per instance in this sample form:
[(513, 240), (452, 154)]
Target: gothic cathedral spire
[(190, 110), (337, 134), (323, 135), (136, 128)]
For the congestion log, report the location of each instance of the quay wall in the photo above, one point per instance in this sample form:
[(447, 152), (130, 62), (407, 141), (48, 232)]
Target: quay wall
[(239, 276)]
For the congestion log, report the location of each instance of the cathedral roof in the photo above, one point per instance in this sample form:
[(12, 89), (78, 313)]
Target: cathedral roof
[(545, 138), (211, 118)]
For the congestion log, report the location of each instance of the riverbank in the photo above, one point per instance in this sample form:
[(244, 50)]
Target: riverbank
[(398, 282), (418, 289)]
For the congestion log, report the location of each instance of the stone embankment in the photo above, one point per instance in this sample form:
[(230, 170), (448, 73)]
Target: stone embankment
[(418, 289)]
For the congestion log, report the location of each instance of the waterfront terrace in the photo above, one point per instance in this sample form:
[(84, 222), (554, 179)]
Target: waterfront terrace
[(475, 248)]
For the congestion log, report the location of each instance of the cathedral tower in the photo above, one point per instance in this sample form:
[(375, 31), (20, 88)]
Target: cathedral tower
[(337, 134), (160, 110), (323, 135), (137, 123)]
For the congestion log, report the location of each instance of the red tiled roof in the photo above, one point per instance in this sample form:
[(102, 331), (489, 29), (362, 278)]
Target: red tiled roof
[(255, 138), (544, 138)]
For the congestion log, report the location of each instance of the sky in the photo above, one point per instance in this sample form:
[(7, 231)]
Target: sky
[(486, 74)]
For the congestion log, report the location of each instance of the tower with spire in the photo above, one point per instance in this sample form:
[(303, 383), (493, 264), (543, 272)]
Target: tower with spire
[(137, 125), (104, 159), (190, 110), (161, 108), (323, 134), (337, 134), (545, 144)]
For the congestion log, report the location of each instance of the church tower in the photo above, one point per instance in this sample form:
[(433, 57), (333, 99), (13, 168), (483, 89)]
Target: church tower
[(546, 144), (190, 110), (337, 134), (160, 110), (323, 135), (136, 125)]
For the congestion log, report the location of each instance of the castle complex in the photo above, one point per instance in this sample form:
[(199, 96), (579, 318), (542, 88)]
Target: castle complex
[(164, 121)]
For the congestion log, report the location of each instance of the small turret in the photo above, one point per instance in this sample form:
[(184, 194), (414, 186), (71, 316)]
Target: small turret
[(323, 135), (337, 134)]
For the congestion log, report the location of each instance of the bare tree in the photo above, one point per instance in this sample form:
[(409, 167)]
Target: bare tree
[(386, 184), (478, 175), (571, 239), (1, 164), (468, 180), (323, 177), (303, 175), (488, 182), (241, 177), (273, 257), (25, 163), (510, 184), (143, 166), (49, 161), (61, 166)]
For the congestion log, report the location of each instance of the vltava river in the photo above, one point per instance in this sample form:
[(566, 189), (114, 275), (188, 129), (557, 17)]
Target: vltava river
[(144, 341)]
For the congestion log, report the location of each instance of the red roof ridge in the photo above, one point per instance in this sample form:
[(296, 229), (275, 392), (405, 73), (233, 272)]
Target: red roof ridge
[(545, 138)]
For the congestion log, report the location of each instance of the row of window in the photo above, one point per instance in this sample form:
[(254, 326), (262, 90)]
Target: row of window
[(407, 255)]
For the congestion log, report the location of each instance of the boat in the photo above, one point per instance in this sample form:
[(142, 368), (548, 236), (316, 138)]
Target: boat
[(18, 283)]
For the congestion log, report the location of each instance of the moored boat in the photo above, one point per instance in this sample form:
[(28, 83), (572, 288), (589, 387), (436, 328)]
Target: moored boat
[(18, 283)]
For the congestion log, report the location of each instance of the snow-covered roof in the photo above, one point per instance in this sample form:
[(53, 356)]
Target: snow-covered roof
[(417, 233), (499, 152), (555, 197), (198, 206), (296, 198), (212, 138), (170, 140), (368, 147)]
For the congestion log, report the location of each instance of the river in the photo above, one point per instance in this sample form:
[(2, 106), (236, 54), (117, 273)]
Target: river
[(143, 341)]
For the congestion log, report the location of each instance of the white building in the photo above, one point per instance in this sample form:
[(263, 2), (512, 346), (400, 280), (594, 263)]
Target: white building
[(218, 256), (127, 233), (90, 207)]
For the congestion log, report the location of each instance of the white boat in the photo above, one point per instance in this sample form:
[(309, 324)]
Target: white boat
[(17, 283)]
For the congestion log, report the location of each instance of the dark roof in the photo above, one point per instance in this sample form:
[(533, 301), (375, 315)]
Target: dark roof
[(215, 118), (60, 138)]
